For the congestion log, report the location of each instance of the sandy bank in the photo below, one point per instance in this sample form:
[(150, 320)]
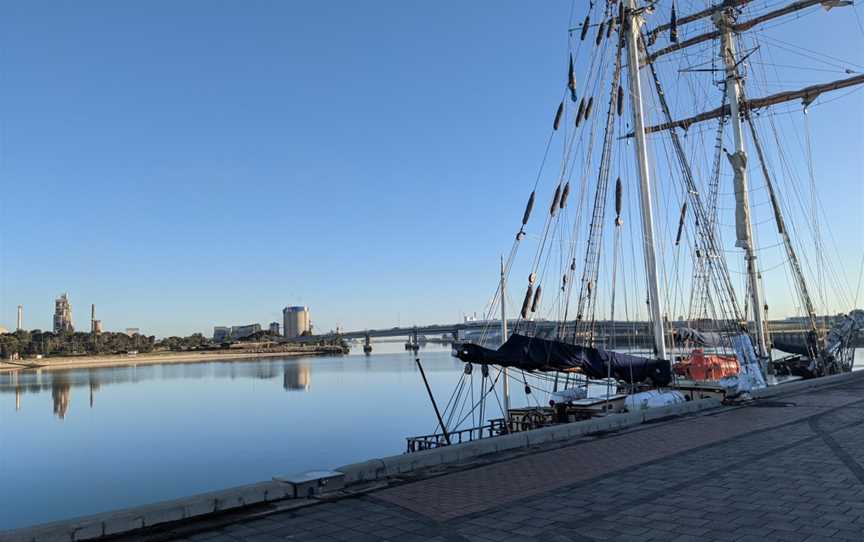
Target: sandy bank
[(79, 362)]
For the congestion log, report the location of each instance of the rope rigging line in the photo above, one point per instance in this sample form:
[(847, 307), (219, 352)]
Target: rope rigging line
[(592, 251), (594, 79), (700, 291), (817, 237), (706, 236), (838, 279), (574, 142)]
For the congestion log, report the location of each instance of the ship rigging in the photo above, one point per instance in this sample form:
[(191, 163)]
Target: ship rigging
[(604, 129)]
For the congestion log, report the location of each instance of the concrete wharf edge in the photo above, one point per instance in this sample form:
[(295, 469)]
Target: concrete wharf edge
[(236, 498)]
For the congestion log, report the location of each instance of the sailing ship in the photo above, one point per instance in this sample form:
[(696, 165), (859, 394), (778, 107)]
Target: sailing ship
[(629, 61)]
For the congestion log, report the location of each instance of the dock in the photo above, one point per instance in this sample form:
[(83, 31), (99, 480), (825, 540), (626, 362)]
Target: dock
[(788, 465)]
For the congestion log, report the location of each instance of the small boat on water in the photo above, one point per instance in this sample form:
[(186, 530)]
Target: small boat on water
[(414, 341), (576, 274)]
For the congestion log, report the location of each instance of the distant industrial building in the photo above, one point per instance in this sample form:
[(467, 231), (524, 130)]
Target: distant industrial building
[(95, 325), (223, 334), (238, 332), (295, 322), (133, 331), (63, 315), (274, 328), (20, 325)]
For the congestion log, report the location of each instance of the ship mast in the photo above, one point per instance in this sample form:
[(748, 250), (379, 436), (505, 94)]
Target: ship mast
[(739, 108), (504, 340), (743, 225), (655, 303)]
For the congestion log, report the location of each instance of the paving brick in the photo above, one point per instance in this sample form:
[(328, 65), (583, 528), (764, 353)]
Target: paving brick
[(847, 534), (748, 474), (786, 536)]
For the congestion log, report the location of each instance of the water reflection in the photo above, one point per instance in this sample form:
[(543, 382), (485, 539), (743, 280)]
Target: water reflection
[(295, 373), (60, 394), (296, 376), (94, 387)]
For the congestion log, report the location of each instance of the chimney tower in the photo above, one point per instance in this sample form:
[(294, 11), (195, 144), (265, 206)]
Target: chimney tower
[(20, 318)]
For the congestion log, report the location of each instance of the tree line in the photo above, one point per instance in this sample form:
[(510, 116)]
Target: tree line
[(47, 343)]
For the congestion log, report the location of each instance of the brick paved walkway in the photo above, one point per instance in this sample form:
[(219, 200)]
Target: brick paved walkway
[(791, 468)]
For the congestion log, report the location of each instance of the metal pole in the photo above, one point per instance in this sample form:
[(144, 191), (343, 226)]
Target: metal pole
[(654, 301), (733, 94), (615, 246), (432, 398), (504, 340)]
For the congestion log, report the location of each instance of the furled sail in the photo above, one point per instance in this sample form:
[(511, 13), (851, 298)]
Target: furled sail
[(738, 161), (534, 354)]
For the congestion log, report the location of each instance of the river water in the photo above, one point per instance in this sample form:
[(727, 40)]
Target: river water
[(84, 441)]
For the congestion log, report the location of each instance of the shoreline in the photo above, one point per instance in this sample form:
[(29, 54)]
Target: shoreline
[(121, 360)]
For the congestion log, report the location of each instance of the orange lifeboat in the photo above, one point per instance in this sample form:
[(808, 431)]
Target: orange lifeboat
[(699, 366)]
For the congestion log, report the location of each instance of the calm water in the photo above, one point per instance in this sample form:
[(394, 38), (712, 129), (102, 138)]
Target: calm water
[(85, 441), (90, 440)]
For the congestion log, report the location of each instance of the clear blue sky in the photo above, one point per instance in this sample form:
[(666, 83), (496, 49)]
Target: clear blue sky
[(190, 164)]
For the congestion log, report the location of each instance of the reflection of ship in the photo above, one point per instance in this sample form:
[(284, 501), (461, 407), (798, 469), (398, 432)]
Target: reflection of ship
[(297, 376)]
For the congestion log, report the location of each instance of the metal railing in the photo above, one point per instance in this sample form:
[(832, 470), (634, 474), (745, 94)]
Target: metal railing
[(437, 440), (523, 419)]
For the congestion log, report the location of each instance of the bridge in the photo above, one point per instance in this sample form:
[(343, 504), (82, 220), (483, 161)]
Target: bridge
[(634, 333)]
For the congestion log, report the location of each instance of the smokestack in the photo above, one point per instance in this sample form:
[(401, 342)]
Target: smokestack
[(93, 318), (20, 317)]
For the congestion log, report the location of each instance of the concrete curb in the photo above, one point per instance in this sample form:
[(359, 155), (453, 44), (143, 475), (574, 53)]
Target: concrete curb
[(121, 521), (378, 469), (803, 385)]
